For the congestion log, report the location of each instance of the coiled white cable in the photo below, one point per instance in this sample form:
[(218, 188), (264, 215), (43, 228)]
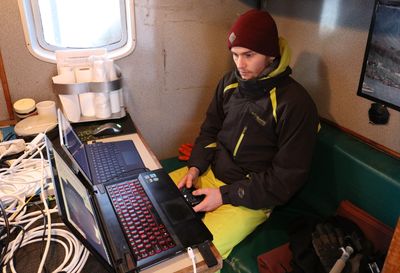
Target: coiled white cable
[(75, 253), (20, 181)]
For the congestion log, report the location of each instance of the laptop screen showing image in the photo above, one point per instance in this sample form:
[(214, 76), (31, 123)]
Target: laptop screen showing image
[(73, 144), (76, 207)]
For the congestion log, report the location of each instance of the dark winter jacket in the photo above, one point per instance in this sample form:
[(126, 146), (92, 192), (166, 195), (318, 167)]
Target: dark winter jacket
[(258, 137)]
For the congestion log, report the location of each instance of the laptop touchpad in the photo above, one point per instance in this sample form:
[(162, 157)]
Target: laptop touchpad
[(177, 211), (130, 158)]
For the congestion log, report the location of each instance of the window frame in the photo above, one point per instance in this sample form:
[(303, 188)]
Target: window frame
[(38, 47)]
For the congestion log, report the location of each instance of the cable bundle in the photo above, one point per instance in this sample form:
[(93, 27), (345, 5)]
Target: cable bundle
[(24, 178), (75, 253)]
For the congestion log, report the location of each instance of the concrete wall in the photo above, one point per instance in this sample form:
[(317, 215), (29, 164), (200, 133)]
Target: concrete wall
[(181, 53), (328, 40)]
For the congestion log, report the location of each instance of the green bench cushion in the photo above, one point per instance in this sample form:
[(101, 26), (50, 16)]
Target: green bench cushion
[(343, 168)]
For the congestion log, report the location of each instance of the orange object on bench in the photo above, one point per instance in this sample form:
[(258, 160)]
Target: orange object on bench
[(276, 260), (378, 233), (392, 262)]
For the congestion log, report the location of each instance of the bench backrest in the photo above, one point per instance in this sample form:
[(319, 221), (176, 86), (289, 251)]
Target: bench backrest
[(345, 168)]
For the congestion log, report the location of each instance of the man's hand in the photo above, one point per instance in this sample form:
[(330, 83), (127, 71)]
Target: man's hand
[(190, 178), (213, 197), (212, 201)]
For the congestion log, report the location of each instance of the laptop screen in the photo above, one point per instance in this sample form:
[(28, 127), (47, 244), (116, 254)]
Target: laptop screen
[(73, 145), (74, 205)]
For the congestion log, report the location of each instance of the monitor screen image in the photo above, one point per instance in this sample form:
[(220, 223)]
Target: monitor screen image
[(76, 206), (73, 145), (380, 76)]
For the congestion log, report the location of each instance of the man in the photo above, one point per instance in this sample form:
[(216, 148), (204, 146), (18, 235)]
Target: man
[(256, 143)]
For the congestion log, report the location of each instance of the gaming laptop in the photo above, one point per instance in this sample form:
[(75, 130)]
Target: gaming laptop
[(127, 225), (100, 161)]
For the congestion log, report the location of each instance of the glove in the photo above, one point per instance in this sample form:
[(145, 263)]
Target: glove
[(185, 150), (327, 241)]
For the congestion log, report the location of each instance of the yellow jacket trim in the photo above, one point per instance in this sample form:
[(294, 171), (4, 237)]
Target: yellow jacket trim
[(272, 96), (285, 58), (239, 141), (231, 86), (211, 145)]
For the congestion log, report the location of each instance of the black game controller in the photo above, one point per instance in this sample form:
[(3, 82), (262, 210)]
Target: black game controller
[(193, 200)]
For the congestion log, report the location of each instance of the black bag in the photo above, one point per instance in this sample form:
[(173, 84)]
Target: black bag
[(316, 246)]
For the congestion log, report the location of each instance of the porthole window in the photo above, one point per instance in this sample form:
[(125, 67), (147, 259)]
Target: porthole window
[(75, 24)]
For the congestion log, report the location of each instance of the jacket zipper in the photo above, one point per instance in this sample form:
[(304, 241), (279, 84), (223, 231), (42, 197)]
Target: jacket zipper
[(239, 141), (258, 119)]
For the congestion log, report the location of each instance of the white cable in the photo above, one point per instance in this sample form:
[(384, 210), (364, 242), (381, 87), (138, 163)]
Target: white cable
[(21, 178), (34, 144), (16, 184), (46, 210), (75, 253), (193, 258)]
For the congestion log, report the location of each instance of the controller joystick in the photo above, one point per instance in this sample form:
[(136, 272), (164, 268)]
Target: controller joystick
[(193, 200)]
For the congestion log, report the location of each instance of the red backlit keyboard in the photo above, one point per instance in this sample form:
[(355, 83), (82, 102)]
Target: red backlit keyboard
[(143, 228)]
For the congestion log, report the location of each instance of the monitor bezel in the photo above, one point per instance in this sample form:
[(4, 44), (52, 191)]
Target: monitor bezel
[(366, 56)]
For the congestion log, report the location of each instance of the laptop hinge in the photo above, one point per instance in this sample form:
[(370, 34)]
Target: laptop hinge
[(101, 188), (130, 262)]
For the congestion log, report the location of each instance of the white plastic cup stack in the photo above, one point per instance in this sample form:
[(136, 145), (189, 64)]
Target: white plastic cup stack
[(102, 103), (115, 96), (86, 100), (70, 103)]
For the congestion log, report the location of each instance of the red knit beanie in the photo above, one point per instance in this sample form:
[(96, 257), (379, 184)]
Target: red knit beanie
[(255, 30)]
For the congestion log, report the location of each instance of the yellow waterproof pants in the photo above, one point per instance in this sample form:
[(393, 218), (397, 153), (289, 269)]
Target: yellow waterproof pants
[(228, 224)]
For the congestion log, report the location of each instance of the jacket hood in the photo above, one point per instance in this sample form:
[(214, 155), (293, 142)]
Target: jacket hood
[(285, 58)]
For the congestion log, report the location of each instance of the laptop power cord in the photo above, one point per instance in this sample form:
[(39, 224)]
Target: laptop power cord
[(193, 258)]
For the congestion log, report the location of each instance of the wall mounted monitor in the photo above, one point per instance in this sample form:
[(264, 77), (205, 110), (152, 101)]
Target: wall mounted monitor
[(380, 76)]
